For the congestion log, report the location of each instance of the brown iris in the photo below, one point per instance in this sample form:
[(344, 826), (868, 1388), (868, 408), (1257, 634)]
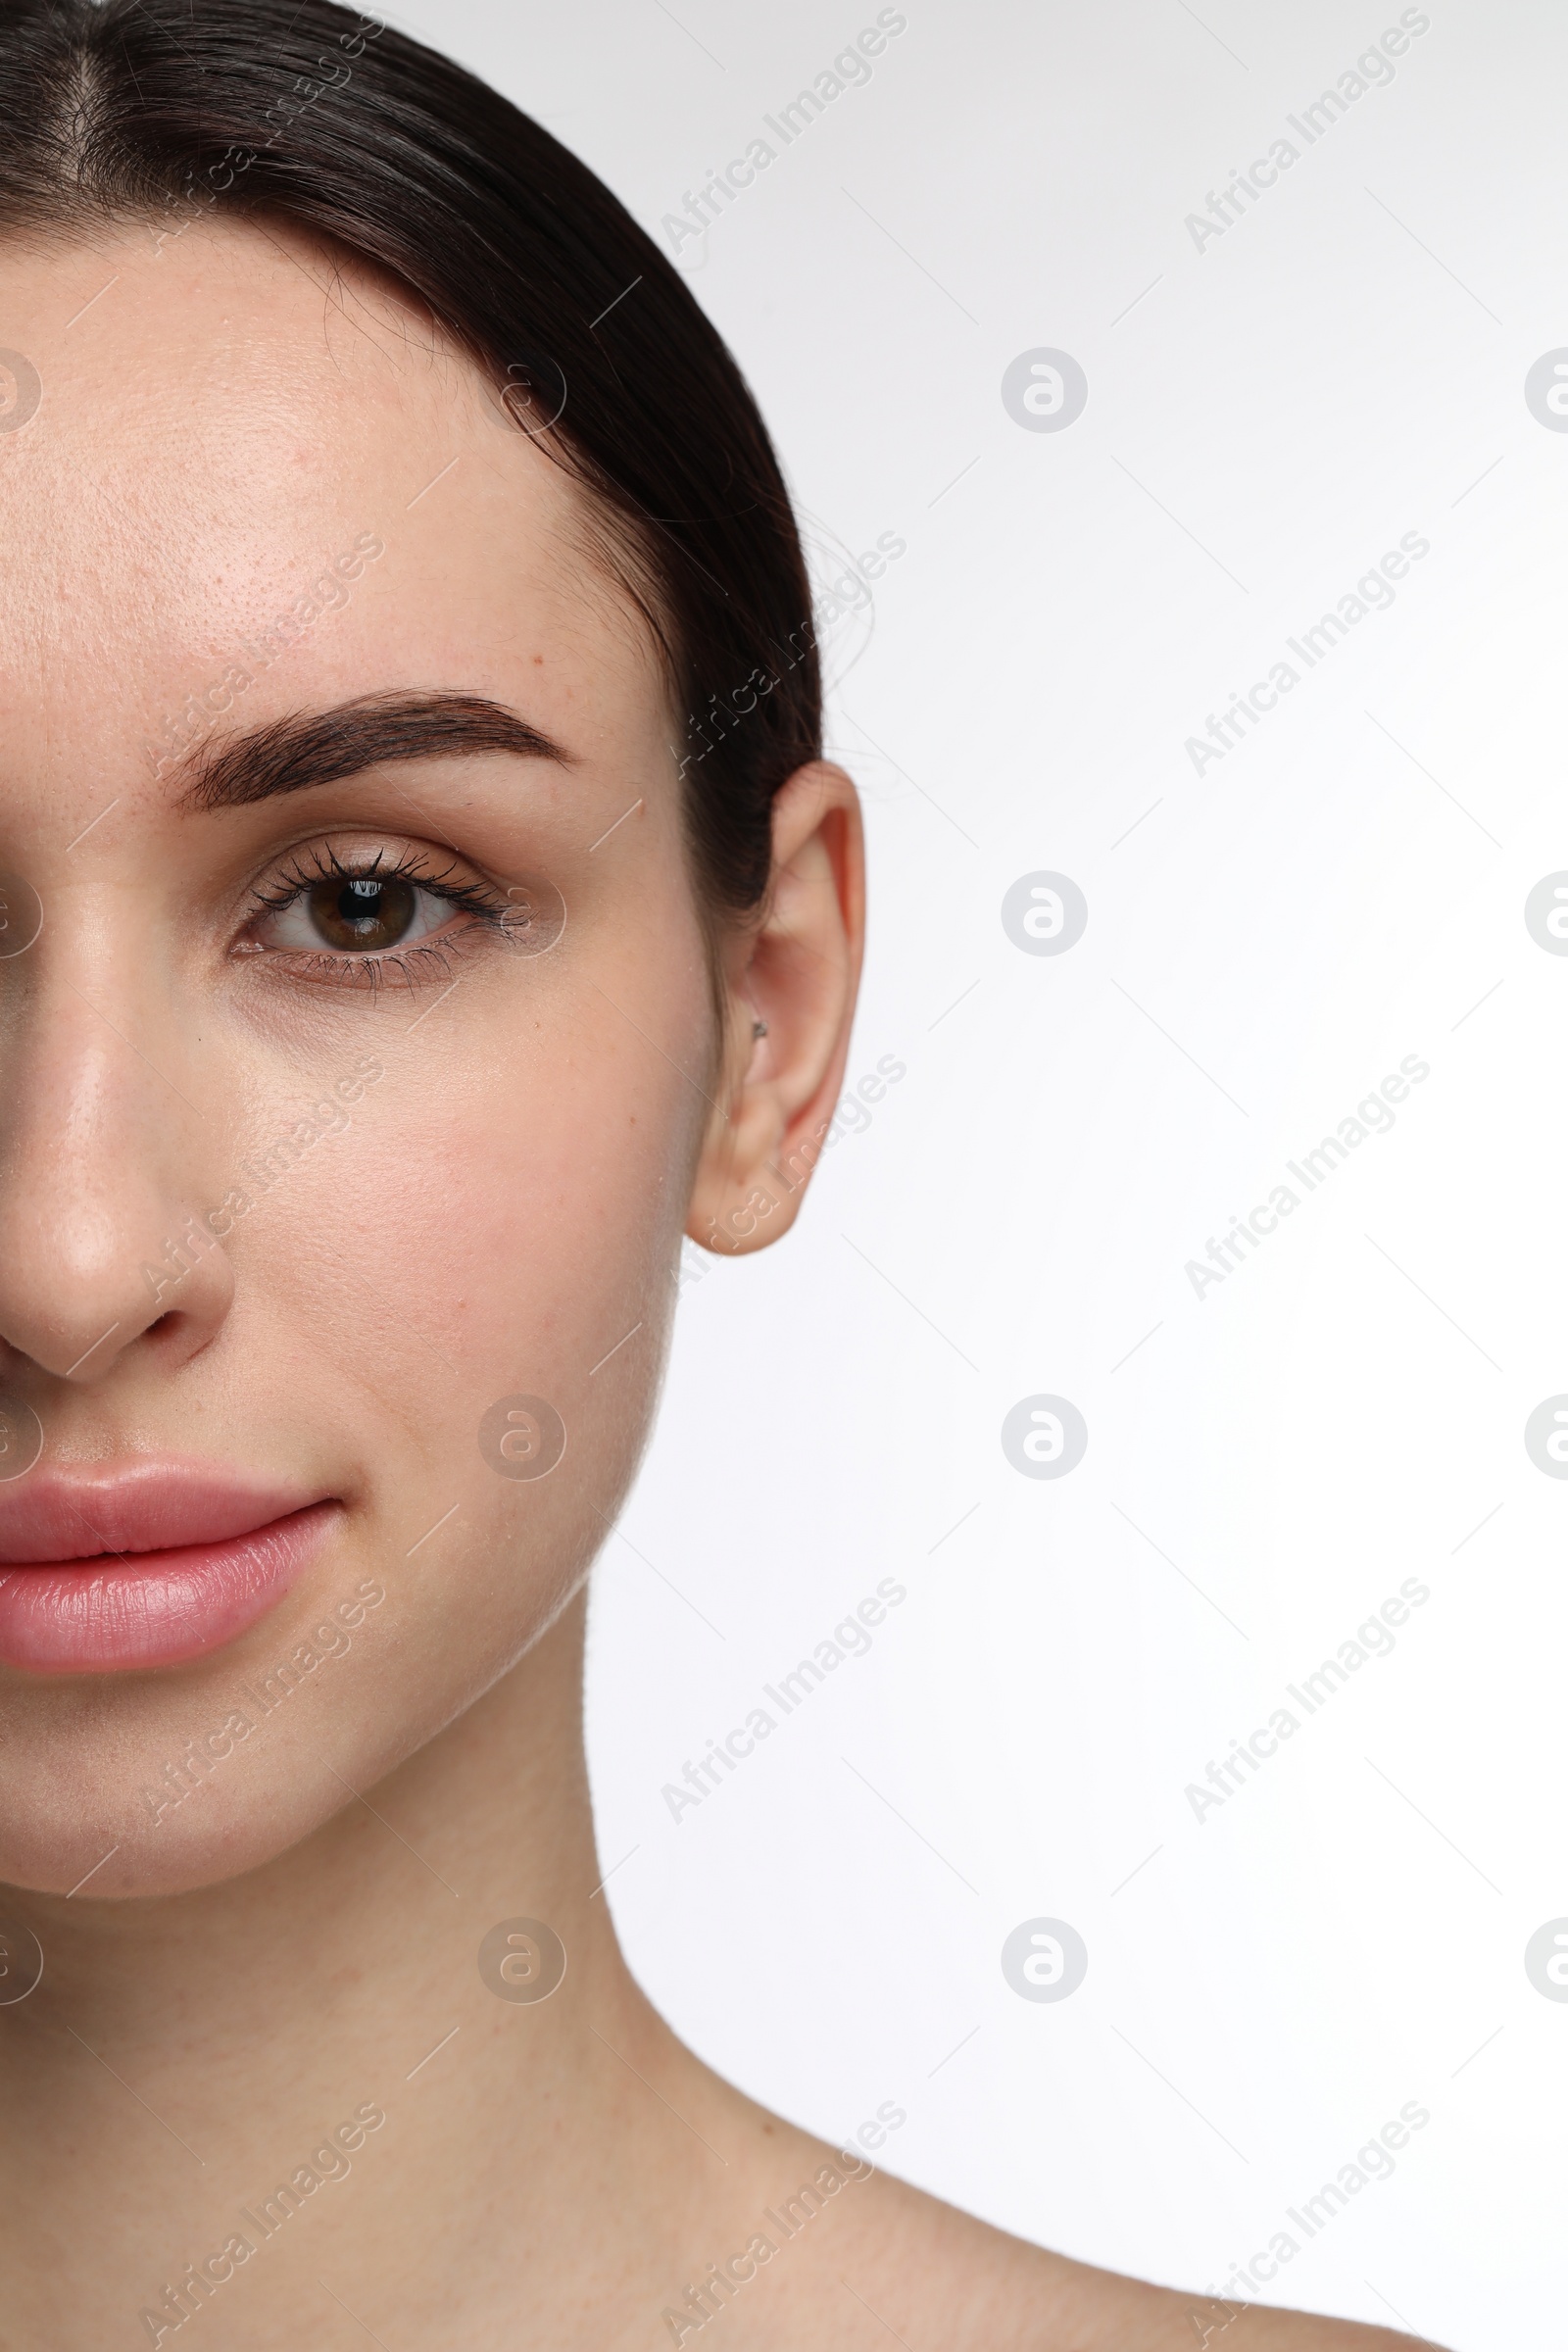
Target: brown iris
[(366, 913)]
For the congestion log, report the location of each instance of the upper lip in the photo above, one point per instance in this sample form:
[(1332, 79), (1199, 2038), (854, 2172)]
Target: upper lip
[(149, 1505)]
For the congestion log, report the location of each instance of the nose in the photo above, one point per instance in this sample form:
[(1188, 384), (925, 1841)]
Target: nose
[(103, 1254)]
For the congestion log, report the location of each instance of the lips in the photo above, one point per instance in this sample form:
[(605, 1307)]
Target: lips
[(152, 1566)]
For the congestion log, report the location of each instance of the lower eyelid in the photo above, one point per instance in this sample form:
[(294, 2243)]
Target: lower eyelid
[(326, 967)]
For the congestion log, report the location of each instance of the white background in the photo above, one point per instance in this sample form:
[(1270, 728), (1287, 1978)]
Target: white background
[(1343, 366)]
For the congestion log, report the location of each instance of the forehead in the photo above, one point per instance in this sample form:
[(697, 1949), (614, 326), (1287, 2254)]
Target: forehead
[(219, 423)]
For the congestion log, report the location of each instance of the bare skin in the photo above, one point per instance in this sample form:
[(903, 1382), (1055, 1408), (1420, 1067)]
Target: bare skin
[(267, 1959)]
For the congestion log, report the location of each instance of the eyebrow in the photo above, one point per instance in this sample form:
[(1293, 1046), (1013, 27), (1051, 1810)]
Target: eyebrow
[(322, 747)]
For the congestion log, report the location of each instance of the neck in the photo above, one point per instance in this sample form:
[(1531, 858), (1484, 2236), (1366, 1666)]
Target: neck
[(183, 2059)]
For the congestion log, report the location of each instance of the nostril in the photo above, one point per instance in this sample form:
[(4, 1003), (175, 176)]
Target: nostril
[(177, 1334)]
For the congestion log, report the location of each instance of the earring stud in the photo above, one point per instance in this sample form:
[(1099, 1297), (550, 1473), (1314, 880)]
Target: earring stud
[(758, 1029)]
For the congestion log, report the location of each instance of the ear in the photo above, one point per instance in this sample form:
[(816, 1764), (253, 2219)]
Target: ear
[(797, 970)]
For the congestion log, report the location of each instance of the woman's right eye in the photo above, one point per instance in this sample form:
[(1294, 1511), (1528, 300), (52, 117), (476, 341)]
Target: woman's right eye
[(357, 914)]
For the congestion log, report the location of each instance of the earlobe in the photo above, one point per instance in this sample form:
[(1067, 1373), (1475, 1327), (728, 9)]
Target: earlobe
[(790, 985)]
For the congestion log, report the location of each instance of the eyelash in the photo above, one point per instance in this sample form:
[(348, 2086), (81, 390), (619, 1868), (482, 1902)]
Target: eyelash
[(418, 964)]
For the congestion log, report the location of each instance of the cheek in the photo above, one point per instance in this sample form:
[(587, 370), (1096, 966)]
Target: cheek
[(479, 1274), (519, 1215)]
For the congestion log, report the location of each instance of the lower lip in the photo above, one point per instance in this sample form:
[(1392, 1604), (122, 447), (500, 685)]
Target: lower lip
[(118, 1613)]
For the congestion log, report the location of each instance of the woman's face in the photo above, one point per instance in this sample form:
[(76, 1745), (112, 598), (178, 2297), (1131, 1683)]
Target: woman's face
[(309, 1169)]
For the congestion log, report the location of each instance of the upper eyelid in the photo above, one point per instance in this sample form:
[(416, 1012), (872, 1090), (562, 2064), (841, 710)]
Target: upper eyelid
[(407, 862)]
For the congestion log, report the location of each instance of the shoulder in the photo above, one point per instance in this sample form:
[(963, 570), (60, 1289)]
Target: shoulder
[(827, 2248), (918, 2265)]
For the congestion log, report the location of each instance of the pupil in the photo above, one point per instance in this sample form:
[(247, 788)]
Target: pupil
[(362, 914)]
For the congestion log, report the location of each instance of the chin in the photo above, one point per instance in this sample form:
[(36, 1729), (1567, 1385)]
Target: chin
[(88, 1812)]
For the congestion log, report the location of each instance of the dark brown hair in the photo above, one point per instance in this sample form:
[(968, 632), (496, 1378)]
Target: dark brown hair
[(305, 112)]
